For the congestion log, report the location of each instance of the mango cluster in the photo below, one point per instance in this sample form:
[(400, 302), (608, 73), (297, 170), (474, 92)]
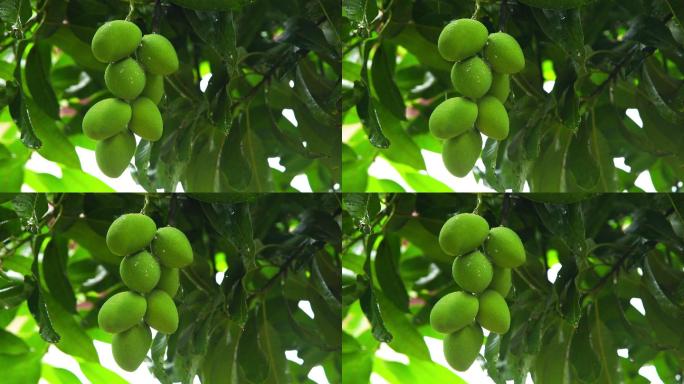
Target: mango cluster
[(481, 74), (150, 270), (482, 268), (135, 76)]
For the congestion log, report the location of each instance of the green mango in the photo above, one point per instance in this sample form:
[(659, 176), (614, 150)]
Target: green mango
[(158, 55), (504, 54), (492, 118), (130, 233), (453, 117), (121, 312), (460, 153), (462, 38), (169, 281), (106, 118), (472, 272), (493, 313), (505, 248), (154, 87), (140, 272), (115, 153), (130, 347), (501, 281), (453, 311), (501, 86), (172, 247), (161, 314), (115, 40), (471, 77), (463, 233), (462, 347), (146, 120), (125, 79)]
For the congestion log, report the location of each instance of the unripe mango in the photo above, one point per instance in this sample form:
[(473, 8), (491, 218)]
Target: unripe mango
[(472, 272), (125, 79), (130, 347), (463, 233), (453, 117), (471, 77), (492, 118), (501, 280), (106, 118), (115, 153), (461, 38), (161, 314), (140, 272), (146, 121), (505, 248), (172, 247), (460, 153), (115, 40), (121, 312), (504, 54), (501, 86), (157, 54), (453, 311), (130, 233), (493, 313), (169, 281), (462, 347), (154, 87)]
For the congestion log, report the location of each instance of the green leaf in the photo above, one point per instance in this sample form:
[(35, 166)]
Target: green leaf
[(65, 39), (382, 77), (54, 375), (56, 147), (403, 149), (416, 371), (358, 367), (74, 341), (20, 369), (37, 72), (270, 345), (6, 70), (406, 339), (99, 374), (386, 262), (54, 272), (11, 344)]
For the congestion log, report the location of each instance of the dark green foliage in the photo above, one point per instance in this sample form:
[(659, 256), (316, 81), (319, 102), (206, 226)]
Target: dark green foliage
[(570, 307)]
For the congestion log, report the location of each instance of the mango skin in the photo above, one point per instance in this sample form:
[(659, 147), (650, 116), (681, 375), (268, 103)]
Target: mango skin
[(501, 86), (161, 314), (154, 87), (453, 311), (140, 272), (115, 40), (471, 77), (463, 233), (460, 153), (157, 55), (472, 272), (505, 248), (130, 233), (504, 54), (146, 120), (501, 281), (121, 312), (461, 38), (106, 118), (462, 347), (169, 281), (125, 79), (452, 117), (115, 153), (172, 247), (494, 314), (492, 119), (130, 347)]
